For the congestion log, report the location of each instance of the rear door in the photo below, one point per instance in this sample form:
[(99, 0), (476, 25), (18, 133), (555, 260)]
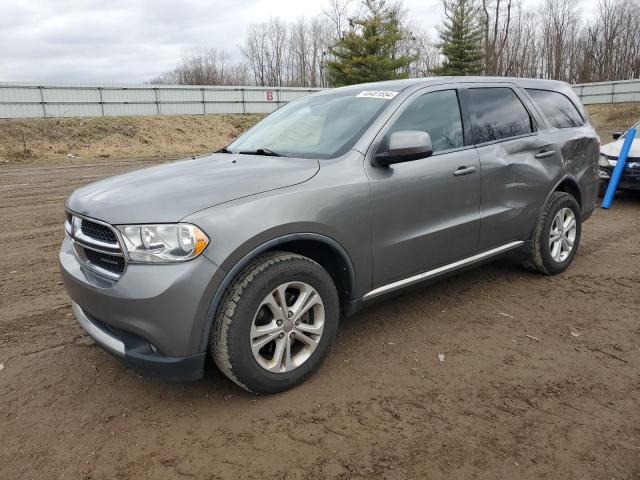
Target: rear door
[(426, 212), (578, 142), (519, 162)]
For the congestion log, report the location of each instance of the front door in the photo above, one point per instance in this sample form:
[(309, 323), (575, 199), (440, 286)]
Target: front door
[(425, 212)]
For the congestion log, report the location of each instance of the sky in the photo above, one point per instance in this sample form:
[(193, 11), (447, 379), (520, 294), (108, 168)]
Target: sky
[(132, 41)]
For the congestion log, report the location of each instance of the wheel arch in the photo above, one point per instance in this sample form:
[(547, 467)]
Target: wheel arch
[(572, 187), (566, 184), (323, 249)]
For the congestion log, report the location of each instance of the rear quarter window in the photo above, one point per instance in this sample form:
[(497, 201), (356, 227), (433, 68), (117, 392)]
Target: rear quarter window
[(558, 109), (499, 114)]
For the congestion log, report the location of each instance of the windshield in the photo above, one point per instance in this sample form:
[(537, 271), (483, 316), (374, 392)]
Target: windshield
[(636, 126), (317, 126)]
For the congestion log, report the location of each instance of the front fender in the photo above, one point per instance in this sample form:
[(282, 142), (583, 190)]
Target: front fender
[(333, 207), (238, 265)]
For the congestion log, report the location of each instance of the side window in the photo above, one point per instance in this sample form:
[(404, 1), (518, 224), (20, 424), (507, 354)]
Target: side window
[(438, 114), (499, 114), (557, 108)]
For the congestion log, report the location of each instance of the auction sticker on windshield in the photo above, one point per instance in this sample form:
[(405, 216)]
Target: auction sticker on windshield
[(384, 94)]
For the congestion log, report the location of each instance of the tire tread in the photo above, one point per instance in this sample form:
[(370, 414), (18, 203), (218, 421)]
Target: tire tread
[(219, 344), (534, 261)]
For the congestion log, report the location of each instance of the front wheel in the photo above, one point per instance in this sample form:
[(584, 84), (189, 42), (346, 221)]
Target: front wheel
[(556, 236), (275, 323)]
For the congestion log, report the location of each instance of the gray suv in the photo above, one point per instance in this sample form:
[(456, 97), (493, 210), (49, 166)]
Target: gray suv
[(253, 253)]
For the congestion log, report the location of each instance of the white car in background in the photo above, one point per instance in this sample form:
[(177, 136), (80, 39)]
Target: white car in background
[(630, 179)]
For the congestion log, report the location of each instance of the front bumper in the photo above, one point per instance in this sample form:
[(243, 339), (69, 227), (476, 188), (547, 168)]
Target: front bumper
[(137, 353), (630, 179), (152, 318)]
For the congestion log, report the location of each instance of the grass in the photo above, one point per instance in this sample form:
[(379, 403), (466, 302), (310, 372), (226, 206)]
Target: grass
[(614, 117), (59, 139)]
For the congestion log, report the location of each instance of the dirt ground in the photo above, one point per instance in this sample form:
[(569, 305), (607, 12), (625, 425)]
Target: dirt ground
[(540, 378)]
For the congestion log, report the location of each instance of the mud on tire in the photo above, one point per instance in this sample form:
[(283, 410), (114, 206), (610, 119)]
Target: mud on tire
[(539, 258)]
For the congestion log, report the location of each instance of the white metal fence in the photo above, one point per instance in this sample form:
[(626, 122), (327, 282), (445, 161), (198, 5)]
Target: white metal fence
[(609, 92), (21, 100), (31, 100)]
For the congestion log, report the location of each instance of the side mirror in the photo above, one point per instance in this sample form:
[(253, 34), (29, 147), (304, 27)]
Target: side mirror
[(617, 135), (404, 146)]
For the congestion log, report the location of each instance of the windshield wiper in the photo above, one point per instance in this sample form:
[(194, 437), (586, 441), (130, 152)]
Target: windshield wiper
[(223, 150), (263, 151)]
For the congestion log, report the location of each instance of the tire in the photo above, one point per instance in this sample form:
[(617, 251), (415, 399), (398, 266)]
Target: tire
[(540, 257), (602, 188), (249, 305)]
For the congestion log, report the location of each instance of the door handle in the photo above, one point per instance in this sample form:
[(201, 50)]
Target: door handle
[(464, 171), (545, 154)]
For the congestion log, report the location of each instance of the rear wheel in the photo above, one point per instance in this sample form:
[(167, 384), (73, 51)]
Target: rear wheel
[(556, 236), (275, 323)]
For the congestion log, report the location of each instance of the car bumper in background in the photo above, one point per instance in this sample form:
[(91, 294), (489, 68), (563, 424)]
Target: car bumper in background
[(630, 179), (152, 318)]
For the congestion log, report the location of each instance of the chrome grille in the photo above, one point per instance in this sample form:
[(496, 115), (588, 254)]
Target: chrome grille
[(96, 245)]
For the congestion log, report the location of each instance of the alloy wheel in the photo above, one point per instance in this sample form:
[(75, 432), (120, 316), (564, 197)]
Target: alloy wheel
[(287, 327), (563, 234)]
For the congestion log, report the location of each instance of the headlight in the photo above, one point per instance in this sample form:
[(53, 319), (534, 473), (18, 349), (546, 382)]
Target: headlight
[(163, 242), (604, 161)]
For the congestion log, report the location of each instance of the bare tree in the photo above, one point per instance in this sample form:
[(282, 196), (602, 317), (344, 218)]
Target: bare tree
[(496, 18), (610, 45), (560, 29), (521, 54), (205, 66), (560, 43), (419, 45), (555, 41), (254, 50), (307, 42), (338, 13), (264, 49)]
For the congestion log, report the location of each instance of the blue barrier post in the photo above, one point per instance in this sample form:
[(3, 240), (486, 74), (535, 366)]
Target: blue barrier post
[(617, 171)]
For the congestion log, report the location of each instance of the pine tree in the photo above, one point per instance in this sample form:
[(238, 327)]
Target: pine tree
[(460, 39), (367, 52)]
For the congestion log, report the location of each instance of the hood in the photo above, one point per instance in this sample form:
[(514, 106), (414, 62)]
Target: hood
[(169, 192), (612, 150)]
